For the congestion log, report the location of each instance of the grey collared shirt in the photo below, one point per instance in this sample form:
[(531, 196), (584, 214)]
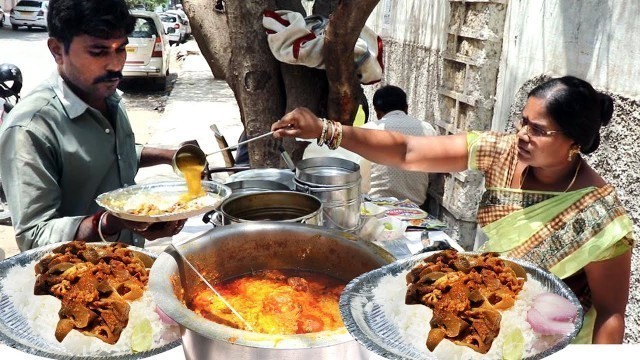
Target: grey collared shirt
[(57, 154)]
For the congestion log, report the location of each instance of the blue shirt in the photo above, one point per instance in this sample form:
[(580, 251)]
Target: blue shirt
[(57, 154)]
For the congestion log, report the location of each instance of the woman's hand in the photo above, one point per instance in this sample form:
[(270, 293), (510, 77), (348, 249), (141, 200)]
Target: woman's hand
[(300, 122)]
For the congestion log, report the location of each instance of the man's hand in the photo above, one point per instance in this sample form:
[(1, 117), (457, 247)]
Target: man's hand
[(152, 231)]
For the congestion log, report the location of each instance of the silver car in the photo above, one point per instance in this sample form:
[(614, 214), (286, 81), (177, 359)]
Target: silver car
[(148, 50), (29, 13)]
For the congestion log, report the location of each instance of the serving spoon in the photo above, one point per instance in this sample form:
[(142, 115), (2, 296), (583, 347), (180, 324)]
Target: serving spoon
[(234, 311)]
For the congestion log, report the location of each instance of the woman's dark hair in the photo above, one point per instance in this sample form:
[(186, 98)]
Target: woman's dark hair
[(100, 18), (389, 98), (578, 108)]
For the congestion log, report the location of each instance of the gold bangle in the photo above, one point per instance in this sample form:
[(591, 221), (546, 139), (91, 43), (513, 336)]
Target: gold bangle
[(104, 214), (325, 125)]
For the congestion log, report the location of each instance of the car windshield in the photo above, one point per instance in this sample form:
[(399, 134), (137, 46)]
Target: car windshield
[(165, 18), (30, 3), (145, 28)]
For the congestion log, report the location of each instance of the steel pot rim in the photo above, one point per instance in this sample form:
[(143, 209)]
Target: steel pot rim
[(231, 218), (160, 286)]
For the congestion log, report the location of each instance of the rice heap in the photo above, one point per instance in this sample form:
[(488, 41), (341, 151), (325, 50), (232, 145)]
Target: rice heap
[(145, 204), (413, 321), (53, 319)]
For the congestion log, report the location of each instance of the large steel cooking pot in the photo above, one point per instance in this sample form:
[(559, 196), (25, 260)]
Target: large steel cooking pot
[(237, 249), (287, 206)]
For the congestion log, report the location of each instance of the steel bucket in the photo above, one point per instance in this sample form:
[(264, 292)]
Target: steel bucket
[(336, 182)]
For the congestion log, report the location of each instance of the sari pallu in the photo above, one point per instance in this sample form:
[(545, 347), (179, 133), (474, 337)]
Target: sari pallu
[(560, 232)]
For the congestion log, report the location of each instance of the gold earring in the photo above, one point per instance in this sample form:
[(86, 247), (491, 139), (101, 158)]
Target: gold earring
[(572, 152)]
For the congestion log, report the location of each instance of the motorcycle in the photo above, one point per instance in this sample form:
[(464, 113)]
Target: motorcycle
[(10, 86)]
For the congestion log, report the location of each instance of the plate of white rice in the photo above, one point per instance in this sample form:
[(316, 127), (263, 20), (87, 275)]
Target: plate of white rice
[(28, 321), (375, 314)]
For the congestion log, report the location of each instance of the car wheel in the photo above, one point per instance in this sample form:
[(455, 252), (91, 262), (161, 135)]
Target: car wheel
[(14, 27), (2, 21)]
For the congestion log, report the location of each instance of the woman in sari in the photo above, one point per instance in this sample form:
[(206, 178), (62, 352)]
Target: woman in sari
[(542, 203)]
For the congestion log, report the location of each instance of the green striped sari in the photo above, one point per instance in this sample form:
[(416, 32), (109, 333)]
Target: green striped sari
[(560, 232)]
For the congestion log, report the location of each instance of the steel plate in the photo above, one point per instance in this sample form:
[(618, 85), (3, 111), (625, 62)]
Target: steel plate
[(114, 201), (16, 332), (366, 321)]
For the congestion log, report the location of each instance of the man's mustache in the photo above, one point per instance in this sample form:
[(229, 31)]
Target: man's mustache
[(109, 76)]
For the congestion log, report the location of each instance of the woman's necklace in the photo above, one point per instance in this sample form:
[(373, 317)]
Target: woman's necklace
[(575, 176)]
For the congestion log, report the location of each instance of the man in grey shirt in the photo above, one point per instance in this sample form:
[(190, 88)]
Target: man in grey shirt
[(71, 140)]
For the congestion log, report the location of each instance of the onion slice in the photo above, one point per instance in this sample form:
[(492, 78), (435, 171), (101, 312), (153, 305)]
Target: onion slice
[(164, 317), (546, 326), (555, 307)]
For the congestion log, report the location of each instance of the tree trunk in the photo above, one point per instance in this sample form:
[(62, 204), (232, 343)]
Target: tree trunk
[(210, 30), (346, 23), (254, 77), (235, 46)]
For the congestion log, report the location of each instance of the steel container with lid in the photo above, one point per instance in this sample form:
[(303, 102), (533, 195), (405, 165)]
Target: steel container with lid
[(336, 182)]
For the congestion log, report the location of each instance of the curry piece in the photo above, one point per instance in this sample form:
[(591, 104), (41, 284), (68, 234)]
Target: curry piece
[(94, 285), (466, 293), (275, 302)]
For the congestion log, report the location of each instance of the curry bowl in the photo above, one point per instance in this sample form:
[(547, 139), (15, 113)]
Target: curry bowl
[(238, 249)]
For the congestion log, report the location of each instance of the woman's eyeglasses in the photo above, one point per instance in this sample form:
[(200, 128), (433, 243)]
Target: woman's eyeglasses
[(533, 130)]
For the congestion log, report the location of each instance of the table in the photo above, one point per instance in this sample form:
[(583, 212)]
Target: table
[(409, 244)]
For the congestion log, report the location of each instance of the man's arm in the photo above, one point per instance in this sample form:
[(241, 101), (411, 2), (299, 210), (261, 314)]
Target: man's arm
[(151, 156), (30, 178)]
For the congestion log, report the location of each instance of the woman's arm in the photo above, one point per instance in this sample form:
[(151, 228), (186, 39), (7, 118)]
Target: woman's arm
[(418, 153), (609, 283)]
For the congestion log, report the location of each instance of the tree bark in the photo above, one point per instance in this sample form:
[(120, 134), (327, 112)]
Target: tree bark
[(210, 30), (254, 77), (345, 25), (235, 46)]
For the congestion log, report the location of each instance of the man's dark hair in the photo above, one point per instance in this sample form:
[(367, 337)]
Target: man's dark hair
[(577, 108), (389, 98), (104, 19)]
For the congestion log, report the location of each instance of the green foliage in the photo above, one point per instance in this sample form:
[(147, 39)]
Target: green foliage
[(150, 5)]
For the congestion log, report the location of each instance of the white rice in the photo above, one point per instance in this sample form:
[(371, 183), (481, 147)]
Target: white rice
[(412, 321), (43, 311)]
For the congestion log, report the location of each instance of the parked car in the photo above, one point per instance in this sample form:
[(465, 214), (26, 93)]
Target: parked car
[(1, 17), (148, 50), (174, 28), (184, 19), (29, 13)]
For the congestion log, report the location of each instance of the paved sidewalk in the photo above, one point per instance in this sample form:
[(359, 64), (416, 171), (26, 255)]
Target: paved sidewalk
[(197, 101)]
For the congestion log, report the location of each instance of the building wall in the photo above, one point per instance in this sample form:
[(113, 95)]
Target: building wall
[(414, 32)]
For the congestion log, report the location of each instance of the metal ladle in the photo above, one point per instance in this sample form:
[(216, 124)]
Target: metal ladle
[(234, 311)]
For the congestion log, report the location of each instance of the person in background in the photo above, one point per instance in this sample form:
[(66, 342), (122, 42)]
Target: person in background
[(543, 202), (390, 106), (242, 153), (70, 140)]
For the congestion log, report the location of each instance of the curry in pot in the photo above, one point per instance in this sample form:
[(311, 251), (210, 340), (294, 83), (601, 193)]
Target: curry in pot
[(281, 302)]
